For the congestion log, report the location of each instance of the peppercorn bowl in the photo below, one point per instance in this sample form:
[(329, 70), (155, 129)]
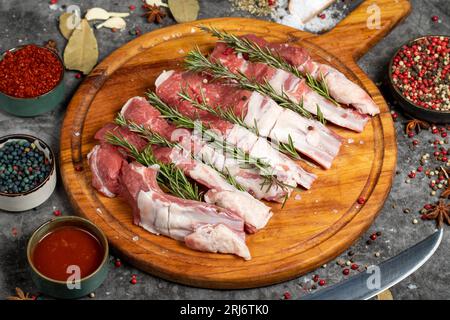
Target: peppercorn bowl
[(76, 284), (422, 89), (27, 172), (30, 105)]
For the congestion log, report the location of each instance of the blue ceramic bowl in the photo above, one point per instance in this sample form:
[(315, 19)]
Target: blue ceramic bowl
[(29, 107)]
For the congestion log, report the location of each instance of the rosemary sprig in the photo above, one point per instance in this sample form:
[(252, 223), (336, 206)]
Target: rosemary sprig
[(182, 121), (320, 116), (153, 138), (265, 170), (229, 115), (196, 62), (267, 56), (156, 139), (289, 149), (169, 176)]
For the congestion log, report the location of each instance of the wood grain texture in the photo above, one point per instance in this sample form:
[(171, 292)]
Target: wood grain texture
[(306, 233)]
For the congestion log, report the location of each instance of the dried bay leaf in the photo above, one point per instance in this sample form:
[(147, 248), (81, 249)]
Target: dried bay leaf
[(67, 23), (184, 10), (81, 52)]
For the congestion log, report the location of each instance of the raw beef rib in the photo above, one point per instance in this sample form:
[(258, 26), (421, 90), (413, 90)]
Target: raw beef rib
[(201, 226), (340, 87), (310, 137), (138, 110)]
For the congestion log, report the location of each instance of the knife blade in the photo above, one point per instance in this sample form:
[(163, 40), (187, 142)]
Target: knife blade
[(376, 279)]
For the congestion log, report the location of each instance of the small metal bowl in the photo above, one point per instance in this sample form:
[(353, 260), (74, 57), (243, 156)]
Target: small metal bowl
[(29, 107), (78, 288), (407, 105), (32, 198)]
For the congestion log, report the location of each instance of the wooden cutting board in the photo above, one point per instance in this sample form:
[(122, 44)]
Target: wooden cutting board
[(314, 226)]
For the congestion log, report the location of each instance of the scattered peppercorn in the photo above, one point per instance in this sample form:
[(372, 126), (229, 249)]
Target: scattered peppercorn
[(287, 295), (346, 271), (361, 200), (322, 282)]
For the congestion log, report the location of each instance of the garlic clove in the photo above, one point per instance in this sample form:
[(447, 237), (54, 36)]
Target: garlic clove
[(158, 3), (119, 14), (113, 23), (97, 14)]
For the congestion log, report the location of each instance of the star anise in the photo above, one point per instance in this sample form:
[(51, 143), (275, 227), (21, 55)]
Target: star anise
[(416, 125), (154, 13), (439, 212), (446, 192), (20, 295)]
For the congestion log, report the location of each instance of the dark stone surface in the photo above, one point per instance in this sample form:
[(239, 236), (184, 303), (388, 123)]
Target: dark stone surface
[(34, 22)]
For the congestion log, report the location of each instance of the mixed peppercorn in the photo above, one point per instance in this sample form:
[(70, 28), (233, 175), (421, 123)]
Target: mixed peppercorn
[(421, 72), (29, 72), (22, 166)]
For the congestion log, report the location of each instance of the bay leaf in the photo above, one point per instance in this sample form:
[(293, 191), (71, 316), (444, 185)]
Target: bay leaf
[(81, 52), (184, 10), (67, 23)]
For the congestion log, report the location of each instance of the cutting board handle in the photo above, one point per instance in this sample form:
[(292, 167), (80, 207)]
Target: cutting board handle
[(359, 31)]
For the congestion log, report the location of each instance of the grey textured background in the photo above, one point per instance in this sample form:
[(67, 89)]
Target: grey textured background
[(31, 21)]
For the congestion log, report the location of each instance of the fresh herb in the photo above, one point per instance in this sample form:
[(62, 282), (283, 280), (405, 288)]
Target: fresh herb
[(229, 115), (320, 116), (169, 176), (153, 138), (267, 56), (216, 141), (195, 61), (156, 139)]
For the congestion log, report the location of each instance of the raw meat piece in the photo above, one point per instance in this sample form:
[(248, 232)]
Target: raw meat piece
[(340, 87), (310, 137), (200, 225), (105, 162), (248, 178), (295, 88), (282, 167), (255, 213)]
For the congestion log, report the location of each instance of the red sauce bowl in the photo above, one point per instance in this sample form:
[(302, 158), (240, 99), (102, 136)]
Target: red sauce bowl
[(68, 257)]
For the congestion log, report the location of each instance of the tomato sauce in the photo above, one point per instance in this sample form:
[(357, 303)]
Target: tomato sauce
[(64, 247)]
